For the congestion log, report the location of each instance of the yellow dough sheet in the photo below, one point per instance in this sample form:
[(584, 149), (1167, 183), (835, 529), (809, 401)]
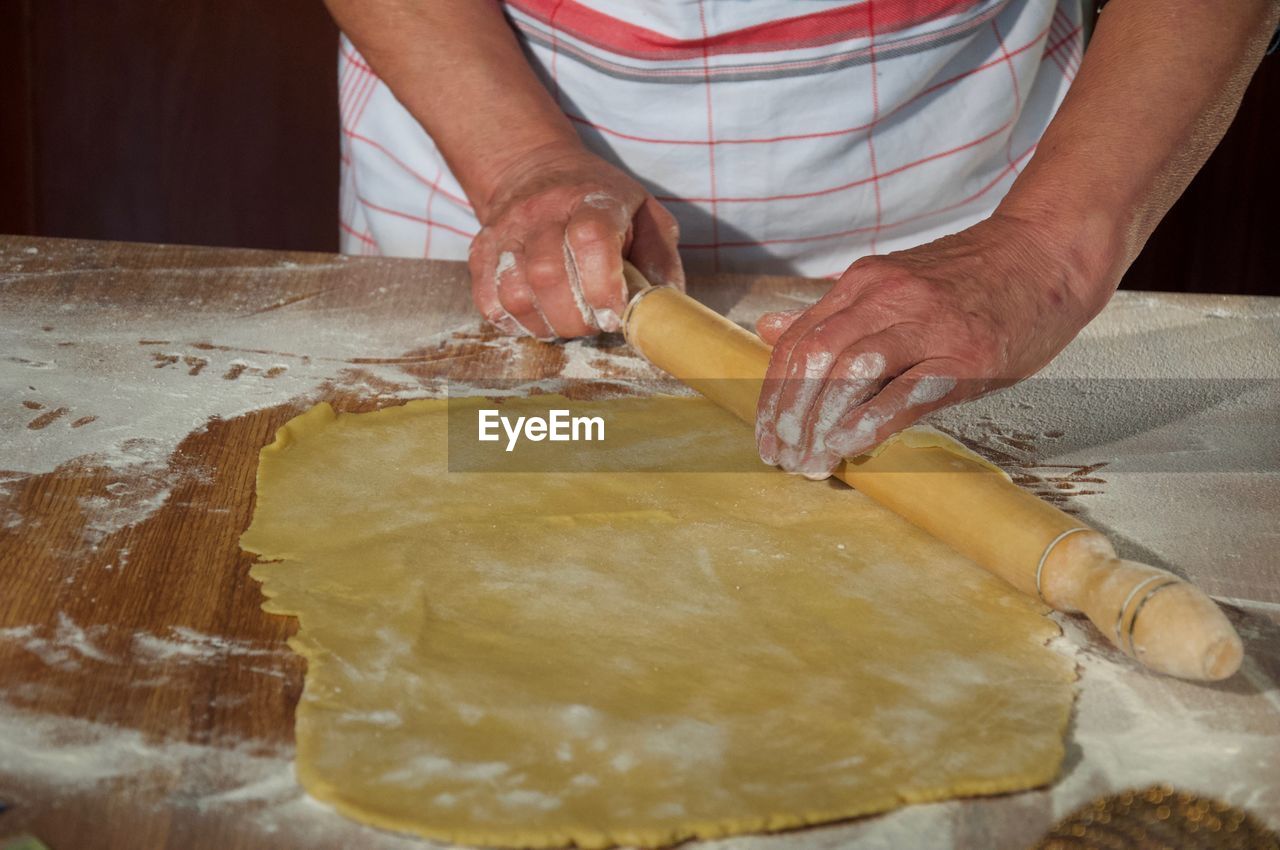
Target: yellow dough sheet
[(539, 659)]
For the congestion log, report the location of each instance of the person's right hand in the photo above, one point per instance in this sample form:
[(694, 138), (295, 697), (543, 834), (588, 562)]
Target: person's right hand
[(548, 259)]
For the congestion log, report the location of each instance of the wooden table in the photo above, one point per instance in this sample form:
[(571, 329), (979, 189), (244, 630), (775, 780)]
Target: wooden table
[(146, 701)]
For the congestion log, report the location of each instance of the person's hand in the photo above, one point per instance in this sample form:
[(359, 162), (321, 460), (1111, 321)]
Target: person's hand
[(548, 260), (904, 334)]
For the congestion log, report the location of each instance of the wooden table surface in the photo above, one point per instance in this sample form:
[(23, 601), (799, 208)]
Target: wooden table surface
[(146, 701)]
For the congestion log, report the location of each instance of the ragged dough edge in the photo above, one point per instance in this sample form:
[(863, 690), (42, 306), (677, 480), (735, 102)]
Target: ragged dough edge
[(323, 416), (590, 839)]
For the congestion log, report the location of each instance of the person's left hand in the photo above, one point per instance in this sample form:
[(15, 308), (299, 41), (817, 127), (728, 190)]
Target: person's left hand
[(904, 334)]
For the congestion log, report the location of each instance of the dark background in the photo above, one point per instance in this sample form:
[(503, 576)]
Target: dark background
[(214, 122)]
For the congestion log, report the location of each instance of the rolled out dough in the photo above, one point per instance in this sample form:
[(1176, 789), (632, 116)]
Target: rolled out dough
[(539, 659)]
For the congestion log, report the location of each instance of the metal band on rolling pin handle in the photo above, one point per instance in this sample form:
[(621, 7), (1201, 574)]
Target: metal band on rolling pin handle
[(1044, 556), (636, 294), (1170, 581), (1124, 606)]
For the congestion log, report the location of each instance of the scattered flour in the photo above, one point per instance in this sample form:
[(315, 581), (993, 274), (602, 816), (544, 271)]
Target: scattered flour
[(247, 786), (1135, 728), (185, 644), (64, 647), (70, 755), (149, 486), (620, 371), (68, 646), (80, 641)]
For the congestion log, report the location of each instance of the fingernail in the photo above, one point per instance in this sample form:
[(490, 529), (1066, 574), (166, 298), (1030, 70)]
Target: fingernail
[(816, 474), (607, 320), (600, 200), (506, 325), (817, 465), (787, 458), (780, 316)]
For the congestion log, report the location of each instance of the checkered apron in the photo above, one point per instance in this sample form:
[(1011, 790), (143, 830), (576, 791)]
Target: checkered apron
[(786, 136)]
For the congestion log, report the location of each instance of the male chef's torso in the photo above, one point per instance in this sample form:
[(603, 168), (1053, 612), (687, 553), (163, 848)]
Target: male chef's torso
[(786, 136)]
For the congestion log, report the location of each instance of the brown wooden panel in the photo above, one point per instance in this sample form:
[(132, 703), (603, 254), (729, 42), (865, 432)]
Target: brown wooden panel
[(200, 121), (17, 198)]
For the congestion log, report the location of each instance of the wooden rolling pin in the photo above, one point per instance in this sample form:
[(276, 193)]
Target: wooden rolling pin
[(1152, 615)]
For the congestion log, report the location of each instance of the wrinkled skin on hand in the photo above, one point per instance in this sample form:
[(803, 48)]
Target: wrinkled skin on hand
[(548, 260), (904, 334)]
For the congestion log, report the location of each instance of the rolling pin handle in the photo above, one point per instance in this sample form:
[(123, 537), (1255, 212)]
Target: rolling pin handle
[(1149, 614)]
